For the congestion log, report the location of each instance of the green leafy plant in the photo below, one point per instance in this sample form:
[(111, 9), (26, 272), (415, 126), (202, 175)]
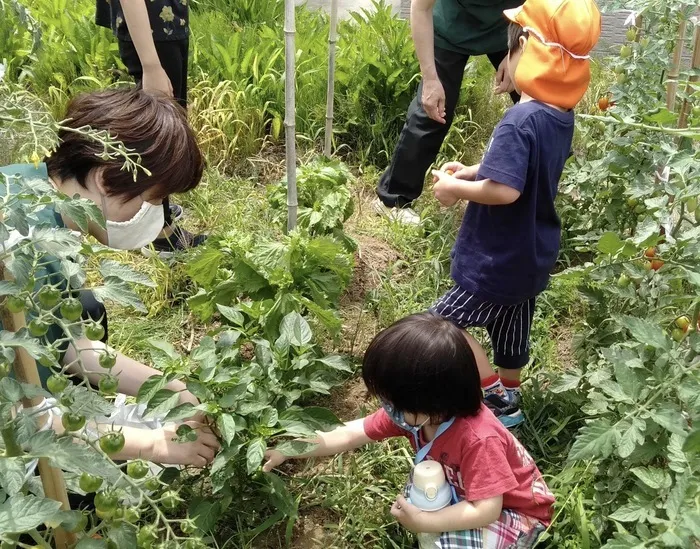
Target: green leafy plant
[(293, 273), (324, 196)]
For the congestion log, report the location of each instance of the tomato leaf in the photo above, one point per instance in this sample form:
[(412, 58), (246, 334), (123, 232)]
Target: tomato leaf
[(21, 513)]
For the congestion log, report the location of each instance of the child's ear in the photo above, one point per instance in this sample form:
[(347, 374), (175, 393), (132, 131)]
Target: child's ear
[(522, 42)]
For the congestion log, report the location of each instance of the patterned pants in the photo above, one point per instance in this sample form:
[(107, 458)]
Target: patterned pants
[(511, 531)]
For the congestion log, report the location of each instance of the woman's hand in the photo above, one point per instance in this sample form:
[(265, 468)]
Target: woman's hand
[(166, 449), (155, 79), (408, 515), (274, 459)]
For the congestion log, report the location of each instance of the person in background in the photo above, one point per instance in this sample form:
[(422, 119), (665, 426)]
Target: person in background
[(133, 212), (509, 240), (153, 37), (446, 33), (425, 375)]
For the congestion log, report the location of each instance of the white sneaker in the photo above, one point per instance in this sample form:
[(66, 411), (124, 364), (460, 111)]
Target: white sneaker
[(407, 216)]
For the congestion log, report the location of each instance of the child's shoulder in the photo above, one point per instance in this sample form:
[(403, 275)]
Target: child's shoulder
[(528, 113), (482, 426)]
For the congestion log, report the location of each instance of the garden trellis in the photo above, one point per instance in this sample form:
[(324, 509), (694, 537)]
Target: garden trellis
[(290, 101)]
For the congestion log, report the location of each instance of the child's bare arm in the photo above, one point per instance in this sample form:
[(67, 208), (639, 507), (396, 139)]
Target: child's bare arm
[(448, 190), (464, 515), (346, 437)]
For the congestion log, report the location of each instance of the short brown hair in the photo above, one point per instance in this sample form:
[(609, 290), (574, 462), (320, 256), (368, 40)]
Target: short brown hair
[(515, 31), (155, 127)]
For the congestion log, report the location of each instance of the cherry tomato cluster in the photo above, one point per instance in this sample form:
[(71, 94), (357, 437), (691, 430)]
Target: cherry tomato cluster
[(654, 263)]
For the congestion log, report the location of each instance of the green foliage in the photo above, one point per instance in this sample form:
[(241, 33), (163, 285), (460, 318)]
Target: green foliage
[(271, 277), (324, 197)]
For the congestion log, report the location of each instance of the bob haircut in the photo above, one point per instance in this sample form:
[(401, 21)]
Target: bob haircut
[(154, 127), (422, 364)]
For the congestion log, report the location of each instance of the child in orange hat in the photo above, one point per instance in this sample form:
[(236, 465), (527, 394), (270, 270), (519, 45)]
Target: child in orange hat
[(509, 239)]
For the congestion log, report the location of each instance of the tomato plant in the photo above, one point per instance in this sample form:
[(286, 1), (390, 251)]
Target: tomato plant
[(639, 355)]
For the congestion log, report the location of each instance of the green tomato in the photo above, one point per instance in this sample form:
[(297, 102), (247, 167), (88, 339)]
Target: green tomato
[(137, 469), (71, 309), (170, 500), (631, 34), (623, 281), (644, 42), (640, 209), (152, 484), (72, 422), (104, 515), (147, 536), (67, 400), (678, 334), (691, 204), (625, 52), (632, 202), (131, 515), (106, 501), (683, 323), (111, 443), (188, 527), (38, 328), (108, 385), (621, 78), (89, 483), (16, 304), (80, 525), (107, 360), (49, 297), (94, 331), (56, 384)]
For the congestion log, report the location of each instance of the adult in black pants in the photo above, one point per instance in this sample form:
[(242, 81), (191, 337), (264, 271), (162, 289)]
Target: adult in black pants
[(153, 38), (446, 34)]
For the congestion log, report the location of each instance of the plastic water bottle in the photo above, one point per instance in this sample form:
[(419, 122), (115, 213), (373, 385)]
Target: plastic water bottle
[(429, 492)]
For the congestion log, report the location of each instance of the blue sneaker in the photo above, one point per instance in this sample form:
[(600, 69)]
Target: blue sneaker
[(505, 407)]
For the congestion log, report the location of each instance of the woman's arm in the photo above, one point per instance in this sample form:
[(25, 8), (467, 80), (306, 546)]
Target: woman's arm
[(154, 77), (130, 373), (464, 515), (341, 439)]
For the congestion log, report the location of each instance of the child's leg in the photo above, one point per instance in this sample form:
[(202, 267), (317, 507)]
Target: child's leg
[(466, 310), (510, 338)]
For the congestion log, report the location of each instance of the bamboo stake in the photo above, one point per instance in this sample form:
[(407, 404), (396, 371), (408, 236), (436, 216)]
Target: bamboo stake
[(25, 371), (332, 39), (290, 113), (695, 65), (674, 72)]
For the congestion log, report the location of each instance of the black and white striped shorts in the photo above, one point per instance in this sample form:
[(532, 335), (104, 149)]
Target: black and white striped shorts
[(508, 325)]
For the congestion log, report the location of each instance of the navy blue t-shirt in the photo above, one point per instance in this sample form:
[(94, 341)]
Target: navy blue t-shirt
[(504, 254)]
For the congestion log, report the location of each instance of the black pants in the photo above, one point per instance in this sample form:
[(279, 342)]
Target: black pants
[(421, 136), (173, 56)]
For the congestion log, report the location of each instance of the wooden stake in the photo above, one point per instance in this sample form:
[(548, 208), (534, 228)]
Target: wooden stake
[(290, 113), (332, 39), (695, 65), (25, 371), (674, 71)]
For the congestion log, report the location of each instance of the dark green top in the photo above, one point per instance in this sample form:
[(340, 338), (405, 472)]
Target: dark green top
[(52, 267), (169, 19), (472, 27)]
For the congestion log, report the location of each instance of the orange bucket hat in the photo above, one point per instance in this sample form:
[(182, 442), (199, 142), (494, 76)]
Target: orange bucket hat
[(555, 66)]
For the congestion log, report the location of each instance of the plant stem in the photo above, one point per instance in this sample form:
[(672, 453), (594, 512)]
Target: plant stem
[(12, 448)]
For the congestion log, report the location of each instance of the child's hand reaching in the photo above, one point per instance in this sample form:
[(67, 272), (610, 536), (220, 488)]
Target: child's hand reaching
[(408, 515), (274, 459), (444, 188)]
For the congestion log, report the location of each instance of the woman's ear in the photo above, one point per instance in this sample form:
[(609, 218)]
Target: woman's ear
[(96, 180)]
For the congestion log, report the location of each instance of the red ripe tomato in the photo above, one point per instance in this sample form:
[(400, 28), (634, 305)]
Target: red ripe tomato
[(603, 103), (656, 264), (650, 252)]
